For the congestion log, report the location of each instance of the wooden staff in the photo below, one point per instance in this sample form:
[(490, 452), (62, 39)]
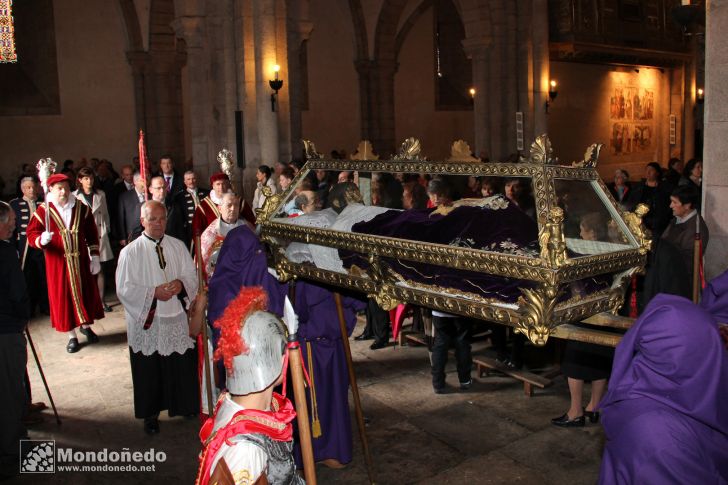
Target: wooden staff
[(35, 354), (354, 388), (42, 375), (205, 350), (299, 390), (697, 259)]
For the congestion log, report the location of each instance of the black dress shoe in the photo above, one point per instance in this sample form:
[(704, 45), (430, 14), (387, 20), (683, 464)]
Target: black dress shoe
[(565, 422), (90, 335), (378, 345), (73, 346), (593, 416), (364, 336), (107, 308), (151, 425)]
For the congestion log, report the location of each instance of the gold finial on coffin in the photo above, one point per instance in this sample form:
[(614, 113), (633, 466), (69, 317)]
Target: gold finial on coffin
[(638, 230), (551, 239), (410, 150), (538, 309), (310, 150), (541, 151), (460, 152), (364, 151), (272, 201), (591, 156), (384, 296)]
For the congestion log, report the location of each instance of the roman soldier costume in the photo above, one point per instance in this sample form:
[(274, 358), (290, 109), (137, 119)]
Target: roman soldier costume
[(243, 445)]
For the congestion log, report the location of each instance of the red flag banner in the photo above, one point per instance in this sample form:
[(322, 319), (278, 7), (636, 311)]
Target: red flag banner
[(143, 162), (7, 32)]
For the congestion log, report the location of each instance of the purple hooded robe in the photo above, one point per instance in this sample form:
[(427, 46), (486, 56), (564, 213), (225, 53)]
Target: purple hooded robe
[(320, 333), (665, 415), (242, 262)]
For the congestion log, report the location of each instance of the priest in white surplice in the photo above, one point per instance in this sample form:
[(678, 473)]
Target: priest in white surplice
[(156, 282)]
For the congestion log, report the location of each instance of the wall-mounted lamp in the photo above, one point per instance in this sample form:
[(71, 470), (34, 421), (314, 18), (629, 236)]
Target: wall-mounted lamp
[(472, 95), (700, 96), (553, 92), (276, 85)]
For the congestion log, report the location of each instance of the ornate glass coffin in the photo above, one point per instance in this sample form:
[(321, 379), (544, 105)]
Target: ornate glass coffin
[(561, 255)]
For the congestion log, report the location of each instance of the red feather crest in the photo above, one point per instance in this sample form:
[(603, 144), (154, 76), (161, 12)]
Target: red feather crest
[(249, 300)]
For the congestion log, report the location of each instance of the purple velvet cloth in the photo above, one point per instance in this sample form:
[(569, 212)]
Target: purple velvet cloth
[(665, 412), (319, 330), (507, 230), (715, 298)]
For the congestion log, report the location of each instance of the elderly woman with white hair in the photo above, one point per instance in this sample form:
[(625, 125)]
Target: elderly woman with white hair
[(621, 189)]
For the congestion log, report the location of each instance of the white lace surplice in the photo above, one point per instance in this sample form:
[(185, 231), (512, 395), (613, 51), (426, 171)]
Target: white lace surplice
[(137, 274)]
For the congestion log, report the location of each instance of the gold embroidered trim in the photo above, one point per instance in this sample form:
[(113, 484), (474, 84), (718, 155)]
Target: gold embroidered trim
[(212, 206), (71, 247)]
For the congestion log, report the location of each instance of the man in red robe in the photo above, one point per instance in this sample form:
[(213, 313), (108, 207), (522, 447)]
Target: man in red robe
[(71, 247), (209, 209)]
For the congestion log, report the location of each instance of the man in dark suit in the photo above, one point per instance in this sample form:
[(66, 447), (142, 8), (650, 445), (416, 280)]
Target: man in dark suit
[(130, 206), (187, 201), (31, 259), (14, 316), (174, 228), (123, 184), (171, 178)]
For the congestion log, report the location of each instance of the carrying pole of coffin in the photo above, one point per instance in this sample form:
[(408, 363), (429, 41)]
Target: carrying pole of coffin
[(354, 388), (299, 390)]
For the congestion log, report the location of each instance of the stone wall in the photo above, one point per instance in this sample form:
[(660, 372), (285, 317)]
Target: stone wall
[(414, 97), (582, 114), (715, 174), (96, 95), (332, 120)]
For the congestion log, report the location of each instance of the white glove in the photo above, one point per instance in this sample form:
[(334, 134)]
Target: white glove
[(95, 265), (45, 237)]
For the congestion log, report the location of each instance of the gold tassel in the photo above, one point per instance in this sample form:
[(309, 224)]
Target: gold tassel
[(315, 423)]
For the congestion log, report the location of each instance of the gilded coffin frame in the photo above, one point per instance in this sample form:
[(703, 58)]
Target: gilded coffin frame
[(538, 312)]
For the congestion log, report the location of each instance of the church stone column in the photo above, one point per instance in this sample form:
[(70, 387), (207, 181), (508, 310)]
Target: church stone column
[(541, 69), (264, 31), (715, 170), (383, 107), (192, 30), (364, 68), (296, 39), (477, 50)]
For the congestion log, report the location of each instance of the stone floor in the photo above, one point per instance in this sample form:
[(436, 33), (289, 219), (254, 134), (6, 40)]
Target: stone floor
[(491, 434)]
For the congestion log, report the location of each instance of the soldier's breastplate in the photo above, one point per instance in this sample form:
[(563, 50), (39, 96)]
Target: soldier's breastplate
[(281, 467)]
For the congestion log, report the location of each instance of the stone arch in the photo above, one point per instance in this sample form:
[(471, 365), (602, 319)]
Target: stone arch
[(408, 24), (131, 22), (360, 30)]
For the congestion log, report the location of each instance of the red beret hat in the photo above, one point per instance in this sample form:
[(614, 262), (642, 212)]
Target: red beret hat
[(57, 177), (218, 176)]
